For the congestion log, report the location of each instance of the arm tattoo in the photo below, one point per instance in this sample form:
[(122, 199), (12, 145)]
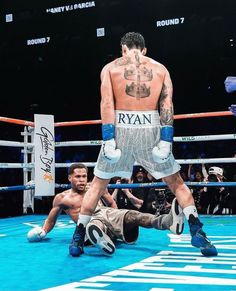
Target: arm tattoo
[(166, 114), (136, 218)]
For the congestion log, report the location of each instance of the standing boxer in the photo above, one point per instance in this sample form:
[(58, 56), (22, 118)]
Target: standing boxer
[(137, 125)]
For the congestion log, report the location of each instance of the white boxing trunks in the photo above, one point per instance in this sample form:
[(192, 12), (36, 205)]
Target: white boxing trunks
[(137, 132)]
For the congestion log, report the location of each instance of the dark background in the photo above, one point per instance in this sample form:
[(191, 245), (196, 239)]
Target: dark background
[(62, 76)]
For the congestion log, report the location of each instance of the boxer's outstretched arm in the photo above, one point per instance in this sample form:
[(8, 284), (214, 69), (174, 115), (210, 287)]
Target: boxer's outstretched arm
[(38, 233), (57, 208)]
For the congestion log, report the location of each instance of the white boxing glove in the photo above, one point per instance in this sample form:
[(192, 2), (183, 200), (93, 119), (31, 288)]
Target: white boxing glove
[(36, 234), (161, 152), (109, 151)]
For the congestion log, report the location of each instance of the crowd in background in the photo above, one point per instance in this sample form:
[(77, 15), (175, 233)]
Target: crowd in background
[(209, 200), (157, 200)]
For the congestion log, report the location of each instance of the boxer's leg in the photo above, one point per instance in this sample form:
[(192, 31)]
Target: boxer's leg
[(174, 220), (186, 201)]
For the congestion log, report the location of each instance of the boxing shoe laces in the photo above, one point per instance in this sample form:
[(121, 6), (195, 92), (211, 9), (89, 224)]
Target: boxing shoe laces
[(77, 244), (200, 240), (100, 239)]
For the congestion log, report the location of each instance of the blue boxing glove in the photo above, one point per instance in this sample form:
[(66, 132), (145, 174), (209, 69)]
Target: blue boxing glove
[(232, 108), (230, 84), (109, 151), (162, 151)]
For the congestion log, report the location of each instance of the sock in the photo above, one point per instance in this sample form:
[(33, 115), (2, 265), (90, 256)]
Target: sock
[(191, 214), (190, 210), (83, 219)]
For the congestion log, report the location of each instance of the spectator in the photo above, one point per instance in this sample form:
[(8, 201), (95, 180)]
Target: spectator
[(124, 197), (140, 176), (158, 199), (213, 199), (184, 175)]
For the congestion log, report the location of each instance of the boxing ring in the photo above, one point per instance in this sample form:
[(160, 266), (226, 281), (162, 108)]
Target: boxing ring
[(158, 261)]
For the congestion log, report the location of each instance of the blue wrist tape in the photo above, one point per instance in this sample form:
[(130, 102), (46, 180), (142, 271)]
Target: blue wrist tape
[(108, 131), (167, 133)]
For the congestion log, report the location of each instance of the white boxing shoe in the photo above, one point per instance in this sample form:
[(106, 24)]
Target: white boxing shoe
[(99, 239), (176, 217)]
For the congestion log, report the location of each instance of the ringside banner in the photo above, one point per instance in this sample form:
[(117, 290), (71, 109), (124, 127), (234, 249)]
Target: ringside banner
[(44, 155)]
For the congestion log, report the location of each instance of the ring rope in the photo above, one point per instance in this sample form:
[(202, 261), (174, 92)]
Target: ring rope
[(162, 184), (177, 116), (205, 137), (17, 165), (26, 166), (206, 161), (176, 139), (78, 143), (89, 122), (99, 142), (183, 161), (126, 186), (17, 121), (17, 188), (92, 164), (204, 114), (15, 143)]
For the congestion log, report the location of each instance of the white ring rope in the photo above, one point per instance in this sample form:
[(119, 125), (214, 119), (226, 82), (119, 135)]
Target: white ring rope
[(176, 139), (207, 161), (16, 165), (8, 143), (99, 142), (205, 137), (92, 164), (78, 143)]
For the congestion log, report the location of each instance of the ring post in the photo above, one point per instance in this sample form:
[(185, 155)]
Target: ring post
[(44, 141)]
